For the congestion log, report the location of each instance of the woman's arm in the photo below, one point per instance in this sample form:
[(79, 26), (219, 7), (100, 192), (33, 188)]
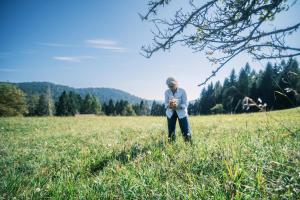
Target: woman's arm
[(166, 100), (184, 102)]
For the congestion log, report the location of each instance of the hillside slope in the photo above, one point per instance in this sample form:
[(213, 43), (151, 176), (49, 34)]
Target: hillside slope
[(104, 94)]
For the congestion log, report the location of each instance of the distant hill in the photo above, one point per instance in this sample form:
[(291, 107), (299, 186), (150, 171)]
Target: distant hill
[(104, 94)]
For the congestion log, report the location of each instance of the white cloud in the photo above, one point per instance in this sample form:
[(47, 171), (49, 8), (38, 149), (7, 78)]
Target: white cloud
[(51, 44), (73, 58), (111, 45), (97, 43), (102, 42)]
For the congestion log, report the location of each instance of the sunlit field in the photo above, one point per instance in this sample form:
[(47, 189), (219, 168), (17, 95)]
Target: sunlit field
[(247, 156)]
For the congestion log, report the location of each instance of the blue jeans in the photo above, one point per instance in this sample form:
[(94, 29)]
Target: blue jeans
[(184, 126)]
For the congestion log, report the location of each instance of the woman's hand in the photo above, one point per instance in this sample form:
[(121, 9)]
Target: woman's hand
[(173, 104)]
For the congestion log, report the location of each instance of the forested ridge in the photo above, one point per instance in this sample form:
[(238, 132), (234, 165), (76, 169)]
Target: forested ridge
[(102, 93), (277, 86)]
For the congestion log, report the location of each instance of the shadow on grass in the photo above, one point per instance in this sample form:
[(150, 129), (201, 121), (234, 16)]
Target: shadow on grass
[(126, 155)]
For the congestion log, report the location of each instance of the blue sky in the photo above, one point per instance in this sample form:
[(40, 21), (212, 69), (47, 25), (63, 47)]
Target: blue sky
[(96, 43)]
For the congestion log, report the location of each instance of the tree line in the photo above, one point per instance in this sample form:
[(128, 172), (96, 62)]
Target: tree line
[(14, 101), (275, 87)]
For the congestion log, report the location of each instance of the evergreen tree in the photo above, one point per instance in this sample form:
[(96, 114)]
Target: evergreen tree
[(191, 109), (154, 109), (74, 103), (217, 93), (127, 109), (252, 77), (276, 85), (136, 108), (254, 91), (32, 103), (62, 106), (96, 105), (90, 105), (104, 108), (110, 109), (266, 87), (86, 107), (119, 106), (232, 78), (157, 109), (207, 101), (45, 106), (287, 94), (162, 110), (144, 108), (243, 83)]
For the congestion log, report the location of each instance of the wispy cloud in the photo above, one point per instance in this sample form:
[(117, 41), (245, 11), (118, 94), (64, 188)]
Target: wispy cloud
[(51, 44), (98, 43), (73, 58), (111, 45)]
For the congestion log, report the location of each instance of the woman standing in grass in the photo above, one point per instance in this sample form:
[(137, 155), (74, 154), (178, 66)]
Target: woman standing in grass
[(176, 107)]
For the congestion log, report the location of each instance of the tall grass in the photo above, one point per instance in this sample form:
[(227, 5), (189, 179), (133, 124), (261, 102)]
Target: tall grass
[(247, 156)]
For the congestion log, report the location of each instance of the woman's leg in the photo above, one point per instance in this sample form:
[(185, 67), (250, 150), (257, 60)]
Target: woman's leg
[(172, 127), (185, 128)]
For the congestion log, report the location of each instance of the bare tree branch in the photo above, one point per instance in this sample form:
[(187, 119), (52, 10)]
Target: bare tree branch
[(226, 27)]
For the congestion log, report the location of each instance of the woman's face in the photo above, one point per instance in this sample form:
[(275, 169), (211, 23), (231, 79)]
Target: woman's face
[(173, 88)]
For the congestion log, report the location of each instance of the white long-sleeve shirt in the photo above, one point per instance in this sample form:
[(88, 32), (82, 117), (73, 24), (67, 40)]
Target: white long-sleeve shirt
[(182, 104)]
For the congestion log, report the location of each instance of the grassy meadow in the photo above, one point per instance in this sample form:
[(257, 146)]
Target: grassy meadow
[(246, 156)]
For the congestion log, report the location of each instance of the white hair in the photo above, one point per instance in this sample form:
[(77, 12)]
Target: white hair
[(171, 82)]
